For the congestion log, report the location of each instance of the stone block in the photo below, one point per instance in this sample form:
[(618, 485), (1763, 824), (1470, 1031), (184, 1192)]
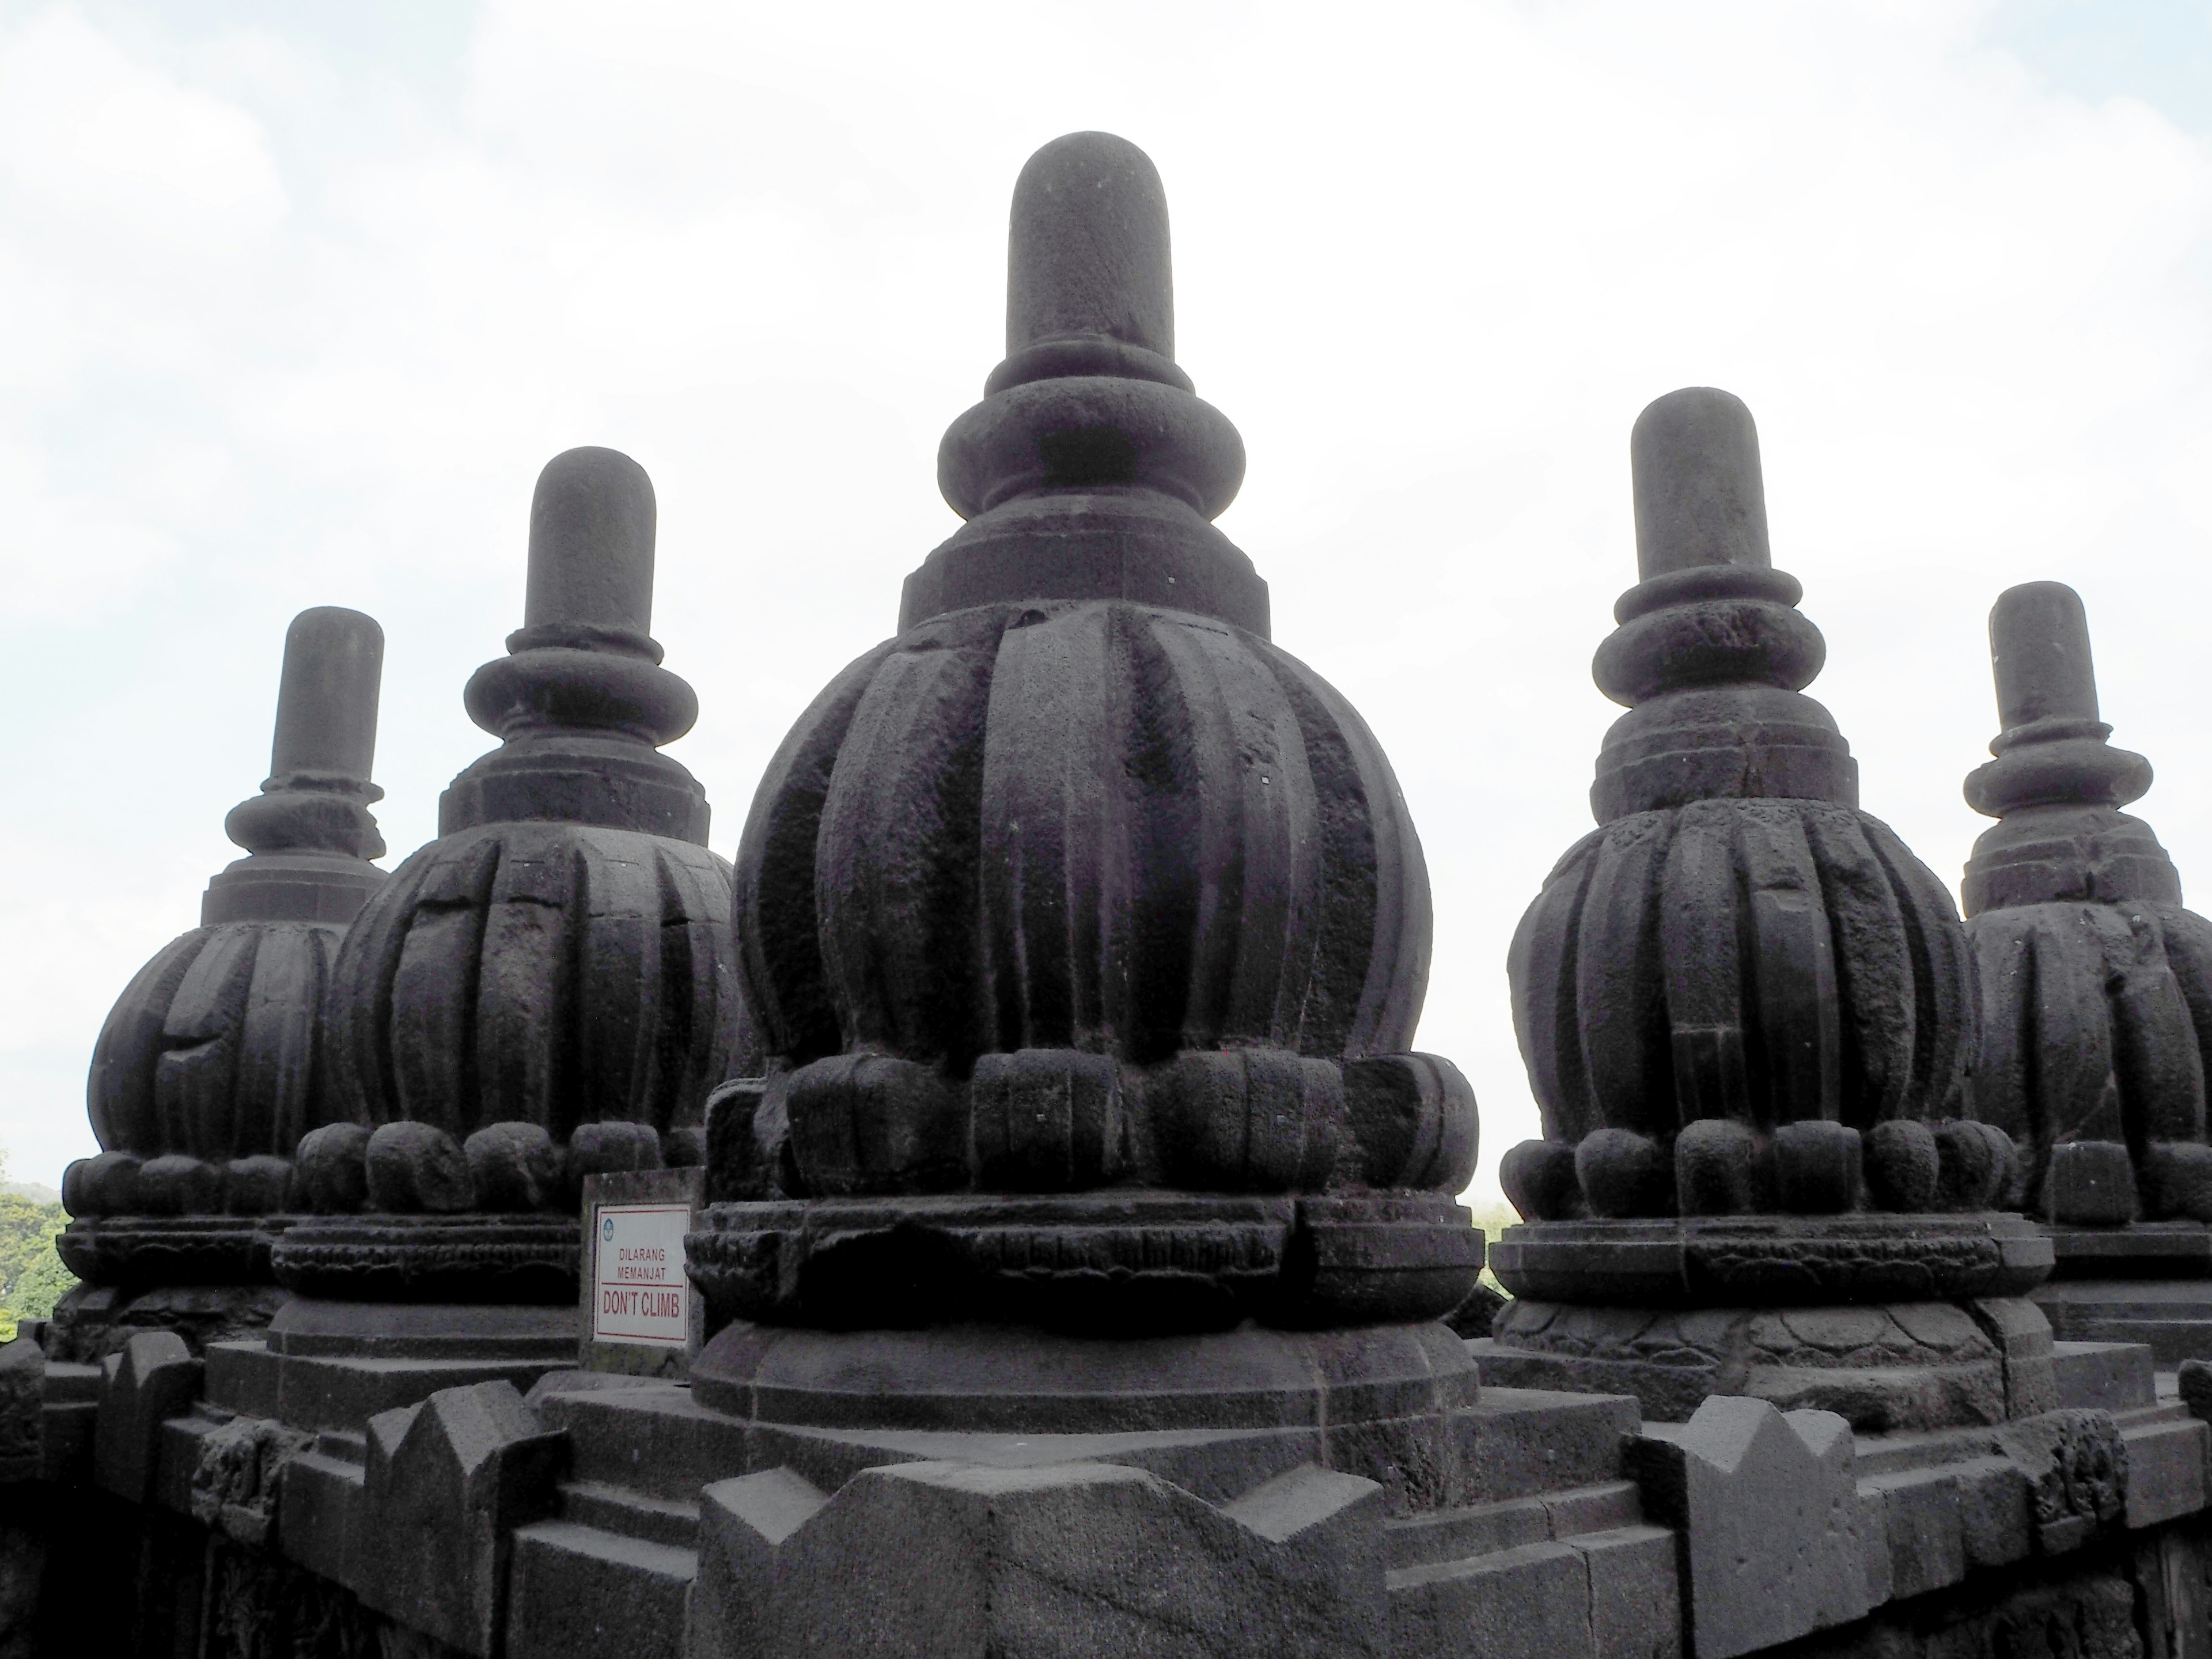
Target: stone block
[(1717, 1170), (255, 1186), (1635, 1593), (242, 1377), (1973, 1160), (1419, 1541), (417, 1168), (1902, 1165), (22, 1410), (579, 1593), (1540, 1180), (2076, 1466), (514, 1167), (1817, 1166), (2165, 1470), (960, 1560), (319, 1501), (1518, 1442), (329, 1171), (1991, 1494), (2106, 1377), (1605, 1507), (154, 1378), (2022, 1335), (1920, 1517), (1532, 1602), (1873, 1537), (1622, 1173), (1769, 1507), (447, 1483), (2089, 1184)]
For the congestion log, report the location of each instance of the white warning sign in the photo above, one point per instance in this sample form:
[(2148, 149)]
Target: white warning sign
[(639, 1292)]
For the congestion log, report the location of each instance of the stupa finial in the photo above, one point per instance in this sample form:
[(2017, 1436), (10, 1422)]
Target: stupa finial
[(2091, 971), (1091, 469), (310, 831), (1089, 283), (1699, 497), (211, 1064), (1712, 655), (2040, 652), (2052, 750), (592, 526), (581, 697)]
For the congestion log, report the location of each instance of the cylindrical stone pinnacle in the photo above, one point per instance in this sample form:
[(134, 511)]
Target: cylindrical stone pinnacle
[(591, 542), (326, 700), (1700, 497), (2040, 649), (1087, 248)]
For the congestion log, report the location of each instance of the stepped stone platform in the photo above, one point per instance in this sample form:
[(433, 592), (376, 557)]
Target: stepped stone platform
[(596, 1508), (1001, 1215)]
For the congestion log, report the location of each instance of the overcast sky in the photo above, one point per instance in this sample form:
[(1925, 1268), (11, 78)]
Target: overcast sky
[(296, 297)]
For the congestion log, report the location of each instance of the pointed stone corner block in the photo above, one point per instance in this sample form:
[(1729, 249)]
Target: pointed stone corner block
[(22, 1409), (153, 1379), (959, 1560), (449, 1481), (1768, 1506)]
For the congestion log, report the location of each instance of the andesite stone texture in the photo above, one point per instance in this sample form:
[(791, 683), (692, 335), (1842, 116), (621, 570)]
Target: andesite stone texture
[(2096, 983), (1085, 929), (1747, 1013), (214, 1062), (544, 991), (1084, 1234)]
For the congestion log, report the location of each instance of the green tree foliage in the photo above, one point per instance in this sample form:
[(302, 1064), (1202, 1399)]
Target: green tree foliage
[(32, 1277)]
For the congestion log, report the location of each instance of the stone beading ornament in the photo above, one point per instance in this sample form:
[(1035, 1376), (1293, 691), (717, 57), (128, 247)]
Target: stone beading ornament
[(214, 1062), (1085, 929), (1741, 1000), (544, 991), (2096, 983)]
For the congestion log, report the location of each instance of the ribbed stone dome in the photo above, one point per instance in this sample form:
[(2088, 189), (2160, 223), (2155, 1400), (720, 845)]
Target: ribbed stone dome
[(560, 954), (2096, 983), (1082, 824), (1739, 948), (1084, 928), (213, 1062)]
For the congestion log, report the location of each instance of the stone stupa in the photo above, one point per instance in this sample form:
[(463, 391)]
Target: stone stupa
[(2096, 997), (1747, 1011), (215, 1061)]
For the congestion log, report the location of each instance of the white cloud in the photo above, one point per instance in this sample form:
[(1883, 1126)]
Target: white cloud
[(309, 317)]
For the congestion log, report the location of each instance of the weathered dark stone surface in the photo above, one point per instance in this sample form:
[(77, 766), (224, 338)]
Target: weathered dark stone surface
[(2096, 983), (213, 1062), (997, 1378), (1077, 1560), (449, 1481), (1883, 1367), (94, 1321), (1079, 921), (1087, 1235), (1740, 967), (1741, 1001), (1774, 1259), (559, 956), (1768, 1504)]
